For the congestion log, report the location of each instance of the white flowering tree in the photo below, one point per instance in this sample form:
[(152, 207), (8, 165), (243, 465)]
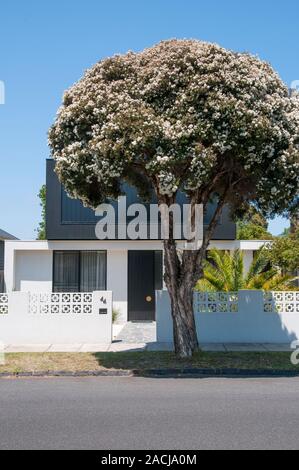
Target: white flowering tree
[(182, 115)]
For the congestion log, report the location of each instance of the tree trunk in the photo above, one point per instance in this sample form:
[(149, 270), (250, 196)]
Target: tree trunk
[(184, 328), (182, 275), (295, 222), (181, 292)]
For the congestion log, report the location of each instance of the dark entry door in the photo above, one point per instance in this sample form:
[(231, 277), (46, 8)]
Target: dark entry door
[(144, 273)]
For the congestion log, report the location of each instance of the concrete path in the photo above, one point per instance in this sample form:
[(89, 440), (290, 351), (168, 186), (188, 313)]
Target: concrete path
[(123, 346), (141, 333), (226, 347), (47, 348), (153, 414)]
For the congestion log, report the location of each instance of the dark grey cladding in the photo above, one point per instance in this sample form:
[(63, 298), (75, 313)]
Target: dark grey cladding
[(1, 255), (3, 236), (68, 219)]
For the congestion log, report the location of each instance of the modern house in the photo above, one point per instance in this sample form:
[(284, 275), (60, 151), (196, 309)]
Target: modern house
[(73, 259), (3, 236)]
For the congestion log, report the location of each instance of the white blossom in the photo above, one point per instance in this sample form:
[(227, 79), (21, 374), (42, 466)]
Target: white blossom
[(180, 114)]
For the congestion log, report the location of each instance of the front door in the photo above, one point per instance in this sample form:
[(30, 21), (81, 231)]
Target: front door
[(144, 269)]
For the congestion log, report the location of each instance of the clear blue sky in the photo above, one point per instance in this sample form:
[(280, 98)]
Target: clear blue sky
[(46, 45)]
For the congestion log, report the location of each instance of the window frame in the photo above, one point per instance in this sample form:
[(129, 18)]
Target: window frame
[(78, 252)]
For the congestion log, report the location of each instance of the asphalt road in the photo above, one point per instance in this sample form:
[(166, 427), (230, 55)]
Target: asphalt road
[(151, 414)]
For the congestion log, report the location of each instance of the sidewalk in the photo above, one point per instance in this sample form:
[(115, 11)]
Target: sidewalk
[(120, 346), (227, 347), (116, 346)]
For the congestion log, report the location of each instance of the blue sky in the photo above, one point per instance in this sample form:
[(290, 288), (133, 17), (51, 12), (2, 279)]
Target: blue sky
[(47, 45)]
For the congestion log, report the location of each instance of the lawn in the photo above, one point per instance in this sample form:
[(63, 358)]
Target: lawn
[(142, 361)]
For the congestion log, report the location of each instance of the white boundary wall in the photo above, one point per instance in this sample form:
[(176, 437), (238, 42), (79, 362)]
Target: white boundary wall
[(40, 318), (29, 264), (243, 317)]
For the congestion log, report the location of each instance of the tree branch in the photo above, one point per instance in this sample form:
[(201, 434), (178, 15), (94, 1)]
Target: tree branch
[(209, 232)]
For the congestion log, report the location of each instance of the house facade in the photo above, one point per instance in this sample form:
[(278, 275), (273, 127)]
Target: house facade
[(73, 259), (3, 236)]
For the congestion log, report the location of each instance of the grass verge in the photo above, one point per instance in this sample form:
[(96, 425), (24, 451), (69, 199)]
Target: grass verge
[(141, 361)]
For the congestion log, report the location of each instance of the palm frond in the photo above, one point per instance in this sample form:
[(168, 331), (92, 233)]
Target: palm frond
[(224, 272), (237, 270), (258, 266)]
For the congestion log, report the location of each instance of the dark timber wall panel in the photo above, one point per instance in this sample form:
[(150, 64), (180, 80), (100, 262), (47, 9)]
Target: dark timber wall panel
[(1, 255)]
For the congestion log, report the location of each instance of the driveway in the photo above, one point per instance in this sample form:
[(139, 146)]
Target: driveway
[(141, 413)]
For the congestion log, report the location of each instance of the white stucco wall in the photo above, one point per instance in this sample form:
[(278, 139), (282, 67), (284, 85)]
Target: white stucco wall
[(248, 258), (28, 264), (117, 281), (33, 271), (251, 324), (29, 268), (22, 326)]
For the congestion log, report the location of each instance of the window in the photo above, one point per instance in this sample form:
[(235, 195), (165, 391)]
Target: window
[(66, 271), (93, 271), (79, 271)]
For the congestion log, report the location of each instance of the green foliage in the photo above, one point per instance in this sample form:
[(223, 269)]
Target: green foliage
[(252, 231), (115, 315), (249, 214), (284, 252), (41, 230), (251, 224), (295, 218), (286, 232), (224, 272)]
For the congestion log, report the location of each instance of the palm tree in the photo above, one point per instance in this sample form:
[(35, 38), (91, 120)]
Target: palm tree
[(224, 272)]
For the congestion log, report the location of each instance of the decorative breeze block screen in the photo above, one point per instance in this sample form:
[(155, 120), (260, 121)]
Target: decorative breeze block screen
[(216, 302), (61, 303), (281, 302), (3, 304)]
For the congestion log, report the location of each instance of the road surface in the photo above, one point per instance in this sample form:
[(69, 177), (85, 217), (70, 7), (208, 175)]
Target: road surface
[(152, 414)]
